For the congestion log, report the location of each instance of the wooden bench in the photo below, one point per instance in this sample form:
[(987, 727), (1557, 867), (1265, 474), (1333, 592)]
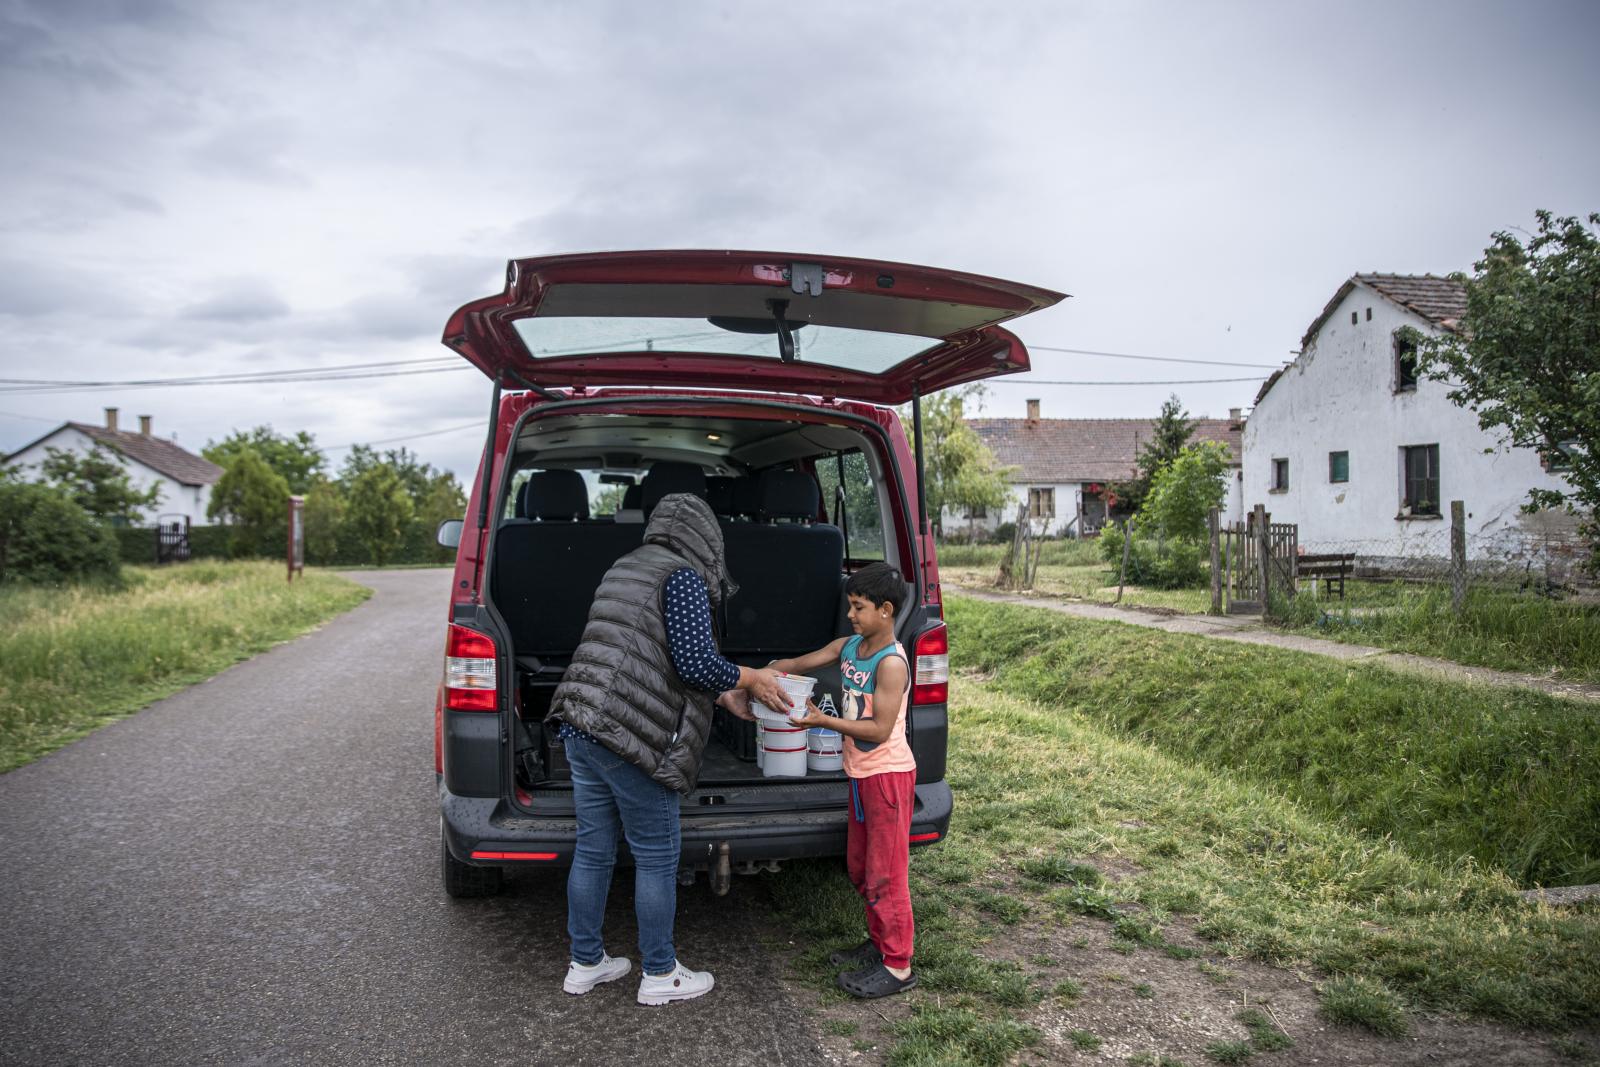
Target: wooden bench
[(1331, 568)]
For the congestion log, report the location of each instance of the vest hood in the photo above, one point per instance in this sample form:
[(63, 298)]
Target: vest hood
[(686, 524)]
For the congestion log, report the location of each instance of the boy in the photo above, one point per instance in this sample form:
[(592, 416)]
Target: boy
[(875, 679)]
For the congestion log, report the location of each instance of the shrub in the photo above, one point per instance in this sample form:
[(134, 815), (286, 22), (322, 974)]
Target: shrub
[(1173, 565), (45, 537)]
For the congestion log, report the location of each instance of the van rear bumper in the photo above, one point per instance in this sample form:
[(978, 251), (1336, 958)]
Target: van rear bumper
[(503, 837)]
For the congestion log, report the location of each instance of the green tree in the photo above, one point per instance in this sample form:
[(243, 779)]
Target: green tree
[(253, 498), (1526, 355), (960, 473), (444, 500), (607, 500), (324, 518), (296, 458), (1184, 490), (98, 482), (380, 512), (1168, 436), (46, 538)]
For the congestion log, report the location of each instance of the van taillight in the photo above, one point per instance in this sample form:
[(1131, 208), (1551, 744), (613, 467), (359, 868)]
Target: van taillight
[(932, 683), (469, 671)]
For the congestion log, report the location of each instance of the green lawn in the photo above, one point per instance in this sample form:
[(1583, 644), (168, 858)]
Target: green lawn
[(1066, 569), (1502, 629), (1046, 789), (75, 658), (1507, 777)]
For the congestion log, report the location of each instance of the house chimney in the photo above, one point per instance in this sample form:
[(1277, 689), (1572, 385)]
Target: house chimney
[(111, 419), (1033, 410), (144, 425), (1234, 414)]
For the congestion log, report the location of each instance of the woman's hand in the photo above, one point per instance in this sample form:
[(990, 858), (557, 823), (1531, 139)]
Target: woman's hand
[(737, 701), (761, 683)]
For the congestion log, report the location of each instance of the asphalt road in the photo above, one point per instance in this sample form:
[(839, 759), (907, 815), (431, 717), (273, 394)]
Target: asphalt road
[(247, 873)]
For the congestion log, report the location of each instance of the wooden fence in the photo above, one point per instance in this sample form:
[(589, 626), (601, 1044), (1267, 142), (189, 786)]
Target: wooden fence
[(1252, 561)]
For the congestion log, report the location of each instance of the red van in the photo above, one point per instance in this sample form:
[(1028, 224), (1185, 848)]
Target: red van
[(760, 381)]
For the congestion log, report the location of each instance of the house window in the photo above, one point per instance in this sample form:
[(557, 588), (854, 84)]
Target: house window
[(1280, 475), (1338, 466), (1560, 458), (1422, 479), (1042, 503), (1405, 363), (979, 512)]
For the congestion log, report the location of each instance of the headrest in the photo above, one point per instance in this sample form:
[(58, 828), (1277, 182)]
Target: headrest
[(719, 494), (788, 495), (556, 496), (670, 476), (633, 497), (746, 497)]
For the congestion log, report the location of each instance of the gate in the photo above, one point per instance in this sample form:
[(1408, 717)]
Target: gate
[(172, 541), (1258, 555)]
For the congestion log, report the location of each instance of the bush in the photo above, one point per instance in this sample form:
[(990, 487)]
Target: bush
[(1003, 533), (1173, 565), (46, 538)]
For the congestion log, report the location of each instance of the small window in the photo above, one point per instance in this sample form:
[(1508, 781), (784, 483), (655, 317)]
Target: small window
[(1280, 475), (979, 512), (1560, 458), (1354, 318), (1338, 466), (856, 508), (1422, 479), (1369, 314), (1405, 363), (1042, 503)]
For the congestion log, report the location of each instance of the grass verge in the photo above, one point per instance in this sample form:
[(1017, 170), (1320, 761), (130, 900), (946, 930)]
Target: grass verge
[(1045, 792), (1506, 631), (72, 659), (1458, 773)]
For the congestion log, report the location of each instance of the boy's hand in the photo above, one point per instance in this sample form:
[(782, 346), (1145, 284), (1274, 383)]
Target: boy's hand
[(814, 717), (737, 701)]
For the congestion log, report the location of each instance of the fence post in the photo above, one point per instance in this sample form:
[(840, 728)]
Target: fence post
[(1122, 575), (1458, 556), (1212, 524), (1264, 558)]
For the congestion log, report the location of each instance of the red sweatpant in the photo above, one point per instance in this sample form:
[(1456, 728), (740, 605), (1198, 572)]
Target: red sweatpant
[(877, 855)]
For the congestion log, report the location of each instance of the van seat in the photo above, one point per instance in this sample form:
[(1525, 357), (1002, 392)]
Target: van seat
[(545, 575), (554, 496), (788, 573)]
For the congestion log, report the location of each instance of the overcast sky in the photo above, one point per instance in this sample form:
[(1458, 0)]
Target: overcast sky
[(212, 187)]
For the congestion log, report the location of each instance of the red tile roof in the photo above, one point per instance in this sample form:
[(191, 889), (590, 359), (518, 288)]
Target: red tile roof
[(1085, 450), (157, 453)]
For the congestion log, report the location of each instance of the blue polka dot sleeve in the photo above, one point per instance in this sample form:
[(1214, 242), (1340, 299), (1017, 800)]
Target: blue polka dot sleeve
[(694, 653)]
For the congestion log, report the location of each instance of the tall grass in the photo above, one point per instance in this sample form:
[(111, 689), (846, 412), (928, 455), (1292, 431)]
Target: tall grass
[(1496, 628), (1066, 552), (74, 658), (1507, 777)]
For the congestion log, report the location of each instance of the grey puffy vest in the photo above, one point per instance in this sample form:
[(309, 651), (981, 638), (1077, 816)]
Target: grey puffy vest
[(621, 686)]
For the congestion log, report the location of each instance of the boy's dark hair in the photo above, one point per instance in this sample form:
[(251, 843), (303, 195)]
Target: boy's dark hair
[(879, 583)]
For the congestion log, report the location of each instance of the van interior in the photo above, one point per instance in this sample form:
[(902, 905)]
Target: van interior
[(801, 505)]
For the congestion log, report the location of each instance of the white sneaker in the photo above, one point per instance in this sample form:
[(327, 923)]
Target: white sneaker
[(582, 977), (680, 983)]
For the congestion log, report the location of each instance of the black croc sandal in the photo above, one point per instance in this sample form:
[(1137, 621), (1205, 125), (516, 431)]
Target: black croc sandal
[(875, 982), (864, 954)]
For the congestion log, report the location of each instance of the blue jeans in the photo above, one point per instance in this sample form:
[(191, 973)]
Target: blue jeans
[(609, 794)]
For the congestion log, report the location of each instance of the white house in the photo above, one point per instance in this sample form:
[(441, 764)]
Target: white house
[(1365, 455), (1062, 469), (184, 478)]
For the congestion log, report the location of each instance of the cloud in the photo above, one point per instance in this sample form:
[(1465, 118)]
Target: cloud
[(252, 150), (244, 300)]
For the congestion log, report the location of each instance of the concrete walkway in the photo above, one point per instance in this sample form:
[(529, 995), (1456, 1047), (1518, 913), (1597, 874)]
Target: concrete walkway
[(1249, 630)]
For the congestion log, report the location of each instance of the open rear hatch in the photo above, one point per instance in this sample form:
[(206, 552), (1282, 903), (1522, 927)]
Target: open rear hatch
[(821, 325)]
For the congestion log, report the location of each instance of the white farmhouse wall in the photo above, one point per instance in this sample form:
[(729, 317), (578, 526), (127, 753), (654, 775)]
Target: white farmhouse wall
[(1068, 495), (176, 498), (1339, 396)]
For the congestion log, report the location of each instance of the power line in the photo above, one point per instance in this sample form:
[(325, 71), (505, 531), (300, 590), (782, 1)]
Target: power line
[(1151, 359), (406, 437), (1183, 381)]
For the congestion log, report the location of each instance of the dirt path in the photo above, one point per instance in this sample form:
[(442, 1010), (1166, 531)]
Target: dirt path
[(1248, 629), (1143, 1005)]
